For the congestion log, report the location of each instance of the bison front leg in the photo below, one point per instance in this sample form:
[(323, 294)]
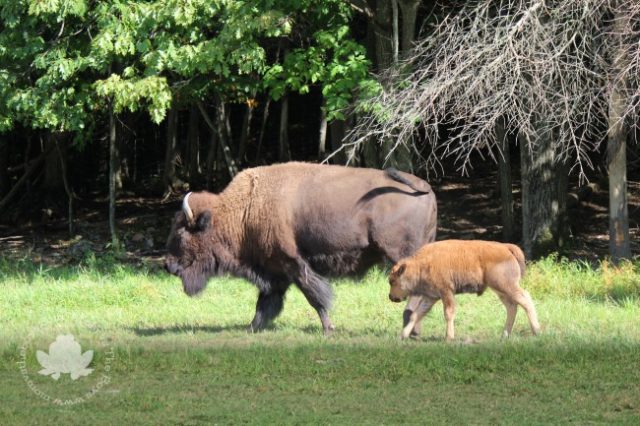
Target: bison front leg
[(268, 307)]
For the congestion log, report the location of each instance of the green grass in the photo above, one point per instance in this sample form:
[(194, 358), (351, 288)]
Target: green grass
[(178, 360)]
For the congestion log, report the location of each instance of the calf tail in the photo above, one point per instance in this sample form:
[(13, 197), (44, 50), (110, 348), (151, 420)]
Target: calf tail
[(397, 176), (519, 255)]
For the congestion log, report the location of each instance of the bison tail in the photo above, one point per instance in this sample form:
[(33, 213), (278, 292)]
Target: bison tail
[(519, 255), (395, 175)]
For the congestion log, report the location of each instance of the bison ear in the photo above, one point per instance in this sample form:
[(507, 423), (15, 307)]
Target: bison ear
[(203, 221)]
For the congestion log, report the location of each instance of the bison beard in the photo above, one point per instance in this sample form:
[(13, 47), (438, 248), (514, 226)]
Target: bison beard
[(289, 223)]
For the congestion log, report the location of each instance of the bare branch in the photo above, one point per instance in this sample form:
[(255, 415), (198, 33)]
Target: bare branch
[(517, 60)]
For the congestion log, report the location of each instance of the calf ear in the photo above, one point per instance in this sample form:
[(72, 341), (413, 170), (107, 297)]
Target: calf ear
[(400, 270), (204, 221)]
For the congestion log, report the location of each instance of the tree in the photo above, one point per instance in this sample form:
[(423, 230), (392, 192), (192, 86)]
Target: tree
[(541, 66), (619, 243), (75, 67)]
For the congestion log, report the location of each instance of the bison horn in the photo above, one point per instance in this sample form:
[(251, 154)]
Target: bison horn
[(186, 209)]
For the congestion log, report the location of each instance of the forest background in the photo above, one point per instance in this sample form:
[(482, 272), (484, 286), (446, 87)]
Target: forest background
[(115, 106)]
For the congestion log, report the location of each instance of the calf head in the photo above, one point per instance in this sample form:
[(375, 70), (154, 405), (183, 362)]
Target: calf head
[(398, 283), (190, 254)]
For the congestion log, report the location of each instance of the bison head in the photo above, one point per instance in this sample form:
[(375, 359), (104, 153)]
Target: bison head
[(189, 256)]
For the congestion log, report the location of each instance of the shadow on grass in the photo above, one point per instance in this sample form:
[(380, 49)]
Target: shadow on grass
[(181, 329), (106, 265)]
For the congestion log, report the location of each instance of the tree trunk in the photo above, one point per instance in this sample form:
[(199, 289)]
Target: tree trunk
[(561, 225), (224, 136), (400, 158), (322, 134), (224, 115), (409, 9), (4, 165), (369, 154), (619, 243), (67, 188), (395, 31), (284, 151), (220, 129), (122, 170), (29, 170), (245, 132), (263, 126), (337, 132), (193, 144), (169, 175), (383, 34), (113, 166), (211, 158), (538, 192), (53, 183), (506, 187)]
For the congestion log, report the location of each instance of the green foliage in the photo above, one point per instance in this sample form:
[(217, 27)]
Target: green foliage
[(332, 59), (131, 93), (575, 279), (64, 62)]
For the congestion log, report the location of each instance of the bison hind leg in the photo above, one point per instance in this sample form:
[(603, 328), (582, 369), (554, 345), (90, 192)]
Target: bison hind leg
[(317, 291)]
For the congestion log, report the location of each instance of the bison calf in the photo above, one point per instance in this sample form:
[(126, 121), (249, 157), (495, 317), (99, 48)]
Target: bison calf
[(444, 268)]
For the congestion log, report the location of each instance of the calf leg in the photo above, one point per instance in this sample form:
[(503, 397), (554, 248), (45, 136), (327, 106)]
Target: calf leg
[(414, 305), (449, 302), (268, 307), (522, 298), (399, 250), (414, 319), (511, 307)]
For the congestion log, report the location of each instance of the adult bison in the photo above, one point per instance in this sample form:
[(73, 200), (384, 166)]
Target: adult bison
[(296, 223)]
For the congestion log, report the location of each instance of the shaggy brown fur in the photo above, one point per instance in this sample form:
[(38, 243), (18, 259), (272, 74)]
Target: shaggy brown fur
[(442, 269), (293, 223)]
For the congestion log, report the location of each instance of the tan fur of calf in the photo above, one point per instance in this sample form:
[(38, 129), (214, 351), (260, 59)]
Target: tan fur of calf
[(442, 269)]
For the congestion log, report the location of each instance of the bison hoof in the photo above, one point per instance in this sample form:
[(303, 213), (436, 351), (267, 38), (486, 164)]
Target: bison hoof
[(251, 328), (328, 331)]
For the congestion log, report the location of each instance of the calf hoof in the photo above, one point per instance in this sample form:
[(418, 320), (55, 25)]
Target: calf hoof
[(405, 336)]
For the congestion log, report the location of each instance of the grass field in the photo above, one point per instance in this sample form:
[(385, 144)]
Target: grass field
[(163, 358)]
